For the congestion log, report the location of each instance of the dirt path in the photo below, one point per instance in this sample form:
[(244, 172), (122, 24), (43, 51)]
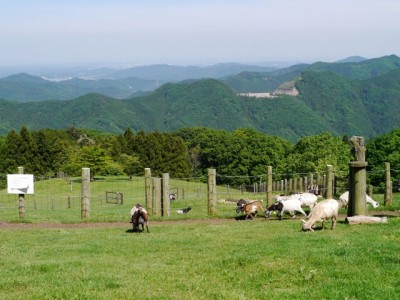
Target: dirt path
[(6, 225)]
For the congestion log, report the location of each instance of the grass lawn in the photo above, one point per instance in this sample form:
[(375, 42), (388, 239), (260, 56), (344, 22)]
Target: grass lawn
[(203, 259), (186, 256)]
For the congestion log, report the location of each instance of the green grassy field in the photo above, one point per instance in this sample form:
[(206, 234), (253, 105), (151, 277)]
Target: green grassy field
[(188, 256), (208, 259)]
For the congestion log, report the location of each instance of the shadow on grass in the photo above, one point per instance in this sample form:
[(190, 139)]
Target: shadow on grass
[(243, 218), (136, 232)]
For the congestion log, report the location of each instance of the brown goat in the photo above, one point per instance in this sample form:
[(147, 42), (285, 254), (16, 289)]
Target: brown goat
[(252, 208), (139, 216)]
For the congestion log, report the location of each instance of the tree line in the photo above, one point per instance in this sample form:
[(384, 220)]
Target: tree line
[(239, 156)]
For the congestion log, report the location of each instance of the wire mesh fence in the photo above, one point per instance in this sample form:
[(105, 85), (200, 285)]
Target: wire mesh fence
[(60, 199), (111, 198)]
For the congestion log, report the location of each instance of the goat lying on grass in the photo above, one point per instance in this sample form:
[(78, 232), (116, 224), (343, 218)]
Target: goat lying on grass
[(139, 216), (184, 210), (323, 210)]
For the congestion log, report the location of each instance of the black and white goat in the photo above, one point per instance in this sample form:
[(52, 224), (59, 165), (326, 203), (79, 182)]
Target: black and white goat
[(184, 210), (139, 216), (289, 205)]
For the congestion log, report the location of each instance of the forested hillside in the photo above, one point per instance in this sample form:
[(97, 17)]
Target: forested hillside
[(327, 101)]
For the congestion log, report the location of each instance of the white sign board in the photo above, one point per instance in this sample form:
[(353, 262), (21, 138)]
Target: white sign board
[(20, 183)]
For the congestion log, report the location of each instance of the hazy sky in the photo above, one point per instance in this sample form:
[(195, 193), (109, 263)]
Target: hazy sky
[(186, 32)]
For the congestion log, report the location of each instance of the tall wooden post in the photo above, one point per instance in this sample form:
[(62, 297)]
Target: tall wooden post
[(85, 193), (329, 182), (157, 197), (358, 179), (388, 186), (212, 191), (269, 186), (165, 195), (147, 190), (21, 198)]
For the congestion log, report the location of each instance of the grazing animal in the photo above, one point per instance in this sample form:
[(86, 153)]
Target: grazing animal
[(184, 210), (306, 199), (139, 216), (344, 200), (252, 208), (289, 205), (240, 204), (172, 197), (326, 209)]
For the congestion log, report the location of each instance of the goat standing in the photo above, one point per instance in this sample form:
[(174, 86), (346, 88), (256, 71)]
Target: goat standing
[(139, 216), (252, 208)]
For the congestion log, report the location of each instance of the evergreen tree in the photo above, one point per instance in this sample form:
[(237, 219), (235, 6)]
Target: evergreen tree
[(10, 157)]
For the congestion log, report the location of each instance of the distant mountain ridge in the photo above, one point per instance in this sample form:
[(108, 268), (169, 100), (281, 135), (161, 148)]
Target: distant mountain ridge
[(352, 59), (326, 101), (361, 98), (119, 84), (269, 81), (130, 82)]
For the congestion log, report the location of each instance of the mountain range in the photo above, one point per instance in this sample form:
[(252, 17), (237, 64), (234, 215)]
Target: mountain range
[(352, 97)]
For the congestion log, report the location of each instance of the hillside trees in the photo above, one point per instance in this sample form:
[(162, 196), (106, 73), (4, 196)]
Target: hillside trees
[(238, 156), (39, 152), (314, 153), (162, 152), (384, 148)]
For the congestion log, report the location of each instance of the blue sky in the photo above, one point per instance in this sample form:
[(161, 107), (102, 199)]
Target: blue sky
[(133, 32)]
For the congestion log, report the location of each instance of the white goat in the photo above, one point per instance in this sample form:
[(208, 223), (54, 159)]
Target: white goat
[(306, 199), (323, 210), (344, 199), (289, 205)]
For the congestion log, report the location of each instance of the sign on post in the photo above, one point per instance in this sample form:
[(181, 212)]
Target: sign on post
[(20, 184)]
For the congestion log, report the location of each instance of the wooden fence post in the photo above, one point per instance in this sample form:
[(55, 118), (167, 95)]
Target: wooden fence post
[(157, 197), (388, 185), (165, 195), (85, 189), (21, 198), (319, 186), (269, 186), (212, 191), (147, 190), (329, 182)]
